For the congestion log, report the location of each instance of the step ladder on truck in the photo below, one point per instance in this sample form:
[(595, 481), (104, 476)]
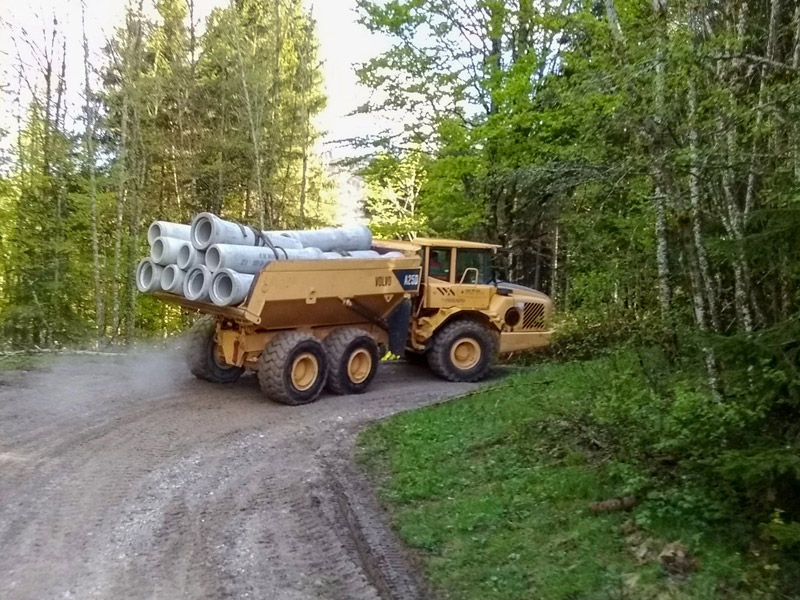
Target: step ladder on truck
[(308, 324)]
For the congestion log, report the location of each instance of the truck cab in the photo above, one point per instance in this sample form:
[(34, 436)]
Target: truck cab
[(463, 316)]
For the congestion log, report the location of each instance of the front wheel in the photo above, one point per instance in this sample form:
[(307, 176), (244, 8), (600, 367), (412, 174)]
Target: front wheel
[(203, 355), (463, 351)]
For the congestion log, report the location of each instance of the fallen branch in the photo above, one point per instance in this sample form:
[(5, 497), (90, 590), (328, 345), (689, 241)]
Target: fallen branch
[(623, 503)]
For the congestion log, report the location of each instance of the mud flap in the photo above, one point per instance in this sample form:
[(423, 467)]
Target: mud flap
[(399, 322)]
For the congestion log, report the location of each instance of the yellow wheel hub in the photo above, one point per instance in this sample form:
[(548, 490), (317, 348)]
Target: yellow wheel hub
[(465, 353), (359, 365), (219, 357), (305, 370)]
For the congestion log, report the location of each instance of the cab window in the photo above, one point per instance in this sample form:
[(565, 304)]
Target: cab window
[(439, 263), (474, 259)]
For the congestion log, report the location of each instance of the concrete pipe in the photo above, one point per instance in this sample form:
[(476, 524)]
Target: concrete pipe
[(229, 287), (357, 237), (197, 283), (172, 279), (189, 257), (244, 259), (164, 250), (159, 229), (148, 276), (208, 229), (303, 254), (362, 254)]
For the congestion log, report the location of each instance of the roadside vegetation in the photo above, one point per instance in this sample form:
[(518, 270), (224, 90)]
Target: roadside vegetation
[(613, 477), (24, 362), (640, 163)]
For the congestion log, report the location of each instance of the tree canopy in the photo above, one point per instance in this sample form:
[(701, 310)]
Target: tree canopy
[(639, 162), (180, 122)]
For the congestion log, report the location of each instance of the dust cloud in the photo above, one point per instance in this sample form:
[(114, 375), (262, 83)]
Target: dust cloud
[(86, 388)]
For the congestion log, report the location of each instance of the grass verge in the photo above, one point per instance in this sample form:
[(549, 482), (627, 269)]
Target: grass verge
[(25, 362), (494, 490)]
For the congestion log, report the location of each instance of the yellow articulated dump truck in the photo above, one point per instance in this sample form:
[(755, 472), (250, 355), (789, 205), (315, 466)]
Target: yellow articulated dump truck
[(308, 324)]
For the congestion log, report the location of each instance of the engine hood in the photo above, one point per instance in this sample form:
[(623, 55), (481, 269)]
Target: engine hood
[(520, 291)]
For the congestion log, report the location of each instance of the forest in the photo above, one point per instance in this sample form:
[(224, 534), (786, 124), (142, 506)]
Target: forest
[(173, 122), (638, 160)]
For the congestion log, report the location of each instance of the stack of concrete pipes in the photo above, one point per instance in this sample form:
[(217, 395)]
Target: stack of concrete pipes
[(217, 260)]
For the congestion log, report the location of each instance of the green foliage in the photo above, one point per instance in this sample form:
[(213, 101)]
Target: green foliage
[(24, 362), (639, 162), (494, 489), (393, 188), (182, 123)]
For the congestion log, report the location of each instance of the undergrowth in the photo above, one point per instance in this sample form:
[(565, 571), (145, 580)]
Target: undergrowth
[(495, 489)]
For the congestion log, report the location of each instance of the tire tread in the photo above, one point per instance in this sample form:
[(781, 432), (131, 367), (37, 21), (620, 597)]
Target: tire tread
[(439, 355), (336, 345), (196, 353), (271, 364)]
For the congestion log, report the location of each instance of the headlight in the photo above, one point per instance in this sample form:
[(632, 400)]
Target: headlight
[(513, 316)]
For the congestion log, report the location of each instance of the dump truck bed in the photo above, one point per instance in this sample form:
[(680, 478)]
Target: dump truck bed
[(314, 293)]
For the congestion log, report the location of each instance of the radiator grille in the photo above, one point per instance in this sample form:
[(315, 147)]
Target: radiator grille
[(533, 315)]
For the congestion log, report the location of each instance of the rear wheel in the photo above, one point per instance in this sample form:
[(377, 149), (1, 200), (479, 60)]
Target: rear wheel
[(203, 356), (463, 351), (292, 368), (354, 358)]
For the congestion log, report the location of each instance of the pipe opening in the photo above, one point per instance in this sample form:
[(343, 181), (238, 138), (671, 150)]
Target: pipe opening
[(184, 256), (197, 281), (158, 249), (213, 258), (223, 287), (154, 232), (169, 276), (147, 274), (203, 231)]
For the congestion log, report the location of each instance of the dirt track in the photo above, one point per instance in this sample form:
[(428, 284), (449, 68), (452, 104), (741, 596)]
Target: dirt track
[(126, 478)]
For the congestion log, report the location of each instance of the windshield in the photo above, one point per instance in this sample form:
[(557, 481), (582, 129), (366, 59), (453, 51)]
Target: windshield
[(474, 259)]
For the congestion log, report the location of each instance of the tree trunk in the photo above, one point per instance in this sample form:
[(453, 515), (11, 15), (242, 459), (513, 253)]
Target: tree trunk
[(775, 6), (554, 265), (303, 183), (613, 21), (255, 137), (733, 218), (694, 209), (60, 190), (662, 258), (135, 233), (90, 168), (659, 167), (122, 190)]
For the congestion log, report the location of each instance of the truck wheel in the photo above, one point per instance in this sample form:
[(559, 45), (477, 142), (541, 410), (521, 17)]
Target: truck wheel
[(463, 351), (354, 359), (202, 354), (292, 368)]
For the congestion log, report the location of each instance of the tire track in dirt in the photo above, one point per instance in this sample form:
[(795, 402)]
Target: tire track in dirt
[(120, 479)]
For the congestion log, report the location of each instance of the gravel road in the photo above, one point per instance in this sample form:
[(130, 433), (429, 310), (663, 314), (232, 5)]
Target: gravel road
[(127, 478)]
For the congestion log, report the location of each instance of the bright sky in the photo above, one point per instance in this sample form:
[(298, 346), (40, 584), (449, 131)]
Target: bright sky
[(343, 42)]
